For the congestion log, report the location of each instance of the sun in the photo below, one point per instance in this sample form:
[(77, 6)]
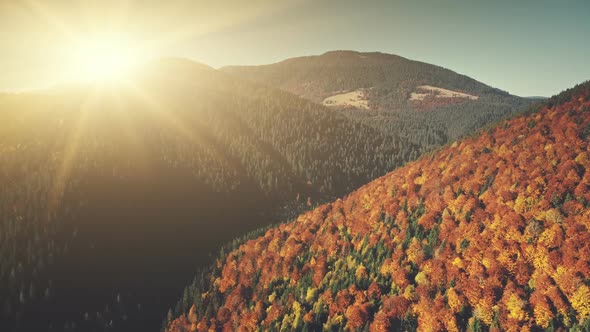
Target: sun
[(102, 59)]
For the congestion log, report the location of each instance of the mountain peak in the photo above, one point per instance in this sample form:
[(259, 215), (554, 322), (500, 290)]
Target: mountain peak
[(179, 62), (361, 55), (174, 65)]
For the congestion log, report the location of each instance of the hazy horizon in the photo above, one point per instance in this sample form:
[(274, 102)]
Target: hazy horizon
[(528, 49)]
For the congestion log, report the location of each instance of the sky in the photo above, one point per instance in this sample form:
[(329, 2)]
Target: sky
[(526, 47)]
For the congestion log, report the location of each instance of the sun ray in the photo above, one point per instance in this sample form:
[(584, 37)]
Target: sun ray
[(70, 153), (129, 126), (163, 113), (45, 14)]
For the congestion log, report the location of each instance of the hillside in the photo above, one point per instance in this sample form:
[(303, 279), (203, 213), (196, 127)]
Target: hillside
[(125, 176), (104, 185), (426, 104), (489, 233), (388, 79)]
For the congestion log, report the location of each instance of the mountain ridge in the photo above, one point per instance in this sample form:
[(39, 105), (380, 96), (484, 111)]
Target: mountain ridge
[(315, 70)]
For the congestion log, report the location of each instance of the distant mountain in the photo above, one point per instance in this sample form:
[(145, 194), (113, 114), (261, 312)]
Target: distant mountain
[(427, 104), (387, 80), (489, 233)]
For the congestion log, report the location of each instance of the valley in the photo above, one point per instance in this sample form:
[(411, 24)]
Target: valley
[(121, 193), (362, 166)]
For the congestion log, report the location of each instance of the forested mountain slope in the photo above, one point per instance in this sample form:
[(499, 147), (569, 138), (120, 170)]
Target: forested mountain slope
[(106, 186), (489, 233), (423, 103)]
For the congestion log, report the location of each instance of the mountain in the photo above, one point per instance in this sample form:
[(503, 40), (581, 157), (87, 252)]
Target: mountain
[(427, 104), (387, 80), (110, 190), (488, 233)]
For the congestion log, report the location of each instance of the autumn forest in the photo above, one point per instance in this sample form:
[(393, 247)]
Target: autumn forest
[(294, 165), (489, 233)]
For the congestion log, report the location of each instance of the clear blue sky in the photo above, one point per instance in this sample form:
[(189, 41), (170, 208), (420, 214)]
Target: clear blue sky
[(527, 47)]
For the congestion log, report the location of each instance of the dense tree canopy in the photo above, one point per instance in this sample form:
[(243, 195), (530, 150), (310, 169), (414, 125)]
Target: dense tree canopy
[(489, 233), (97, 178), (387, 82)]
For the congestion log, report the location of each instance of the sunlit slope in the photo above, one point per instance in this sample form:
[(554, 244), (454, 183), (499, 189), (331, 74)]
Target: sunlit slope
[(491, 232)]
